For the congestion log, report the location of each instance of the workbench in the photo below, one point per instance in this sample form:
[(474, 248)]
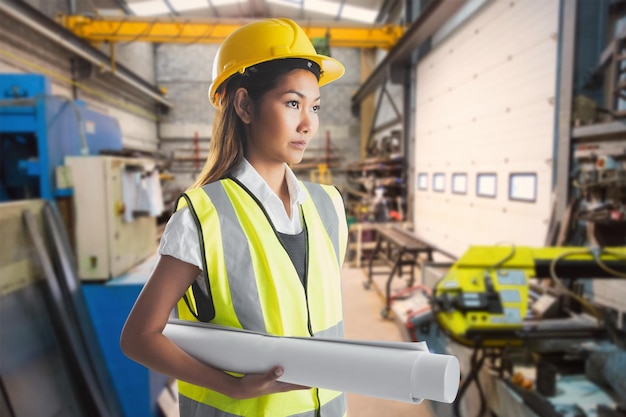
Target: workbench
[(398, 248)]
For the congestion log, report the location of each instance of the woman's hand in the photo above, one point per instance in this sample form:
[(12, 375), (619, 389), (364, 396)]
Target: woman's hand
[(256, 385), (143, 340)]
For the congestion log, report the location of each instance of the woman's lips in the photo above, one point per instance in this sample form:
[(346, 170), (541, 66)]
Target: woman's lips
[(299, 144)]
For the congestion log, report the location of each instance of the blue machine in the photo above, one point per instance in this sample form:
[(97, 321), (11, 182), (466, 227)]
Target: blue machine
[(38, 130)]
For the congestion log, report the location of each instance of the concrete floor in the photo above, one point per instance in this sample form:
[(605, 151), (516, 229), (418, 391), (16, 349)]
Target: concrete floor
[(363, 321)]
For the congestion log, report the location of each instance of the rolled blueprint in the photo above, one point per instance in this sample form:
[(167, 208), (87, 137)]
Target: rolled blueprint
[(400, 371)]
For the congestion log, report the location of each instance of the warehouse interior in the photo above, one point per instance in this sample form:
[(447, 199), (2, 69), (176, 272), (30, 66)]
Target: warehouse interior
[(479, 147)]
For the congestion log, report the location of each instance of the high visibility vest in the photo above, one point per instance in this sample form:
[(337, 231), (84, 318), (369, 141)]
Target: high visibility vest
[(254, 285)]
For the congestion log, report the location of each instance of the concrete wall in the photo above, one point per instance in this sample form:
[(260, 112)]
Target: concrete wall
[(137, 57), (336, 115)]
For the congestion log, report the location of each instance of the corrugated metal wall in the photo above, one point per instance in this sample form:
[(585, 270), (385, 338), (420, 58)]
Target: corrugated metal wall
[(485, 105)]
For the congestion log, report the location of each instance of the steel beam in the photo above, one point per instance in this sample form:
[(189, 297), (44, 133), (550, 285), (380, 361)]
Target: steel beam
[(429, 21), (27, 15), (131, 29), (563, 140)]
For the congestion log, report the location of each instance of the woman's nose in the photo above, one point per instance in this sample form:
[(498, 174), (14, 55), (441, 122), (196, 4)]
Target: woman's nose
[(307, 122)]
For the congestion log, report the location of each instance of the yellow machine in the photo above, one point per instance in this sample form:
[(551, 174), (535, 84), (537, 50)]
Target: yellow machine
[(484, 299)]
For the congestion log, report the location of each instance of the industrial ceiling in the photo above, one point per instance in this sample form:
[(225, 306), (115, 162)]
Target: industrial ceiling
[(357, 11)]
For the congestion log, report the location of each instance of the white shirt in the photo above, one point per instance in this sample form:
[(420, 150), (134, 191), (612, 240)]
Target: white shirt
[(180, 237)]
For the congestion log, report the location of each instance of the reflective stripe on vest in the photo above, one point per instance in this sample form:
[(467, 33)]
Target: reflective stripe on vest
[(190, 408), (243, 290), (254, 285)]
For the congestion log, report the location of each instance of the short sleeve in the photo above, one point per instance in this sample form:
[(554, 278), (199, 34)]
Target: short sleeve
[(180, 238)]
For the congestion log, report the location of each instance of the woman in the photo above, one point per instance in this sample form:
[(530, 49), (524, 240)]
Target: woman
[(249, 246)]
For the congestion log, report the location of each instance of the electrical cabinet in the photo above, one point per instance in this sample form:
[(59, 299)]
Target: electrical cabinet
[(114, 219)]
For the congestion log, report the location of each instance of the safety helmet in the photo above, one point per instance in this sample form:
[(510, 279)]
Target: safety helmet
[(263, 41)]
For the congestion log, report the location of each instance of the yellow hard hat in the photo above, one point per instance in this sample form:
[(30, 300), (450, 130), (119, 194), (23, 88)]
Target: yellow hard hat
[(263, 41)]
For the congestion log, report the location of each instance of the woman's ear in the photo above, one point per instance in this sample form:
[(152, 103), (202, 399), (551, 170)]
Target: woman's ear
[(243, 105)]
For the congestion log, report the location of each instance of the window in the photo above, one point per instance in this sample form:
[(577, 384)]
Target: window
[(486, 185), (459, 183), (422, 181), (439, 182), (523, 187)]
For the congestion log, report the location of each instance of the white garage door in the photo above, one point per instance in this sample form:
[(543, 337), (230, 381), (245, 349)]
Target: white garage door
[(485, 129)]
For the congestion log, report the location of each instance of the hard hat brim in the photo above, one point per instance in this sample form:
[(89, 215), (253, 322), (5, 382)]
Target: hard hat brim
[(331, 70)]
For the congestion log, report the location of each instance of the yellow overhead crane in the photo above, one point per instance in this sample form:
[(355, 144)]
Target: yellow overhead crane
[(175, 30)]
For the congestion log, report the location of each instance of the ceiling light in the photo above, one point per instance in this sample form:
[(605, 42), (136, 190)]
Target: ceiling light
[(184, 5), (360, 14), (324, 7), (223, 2), (149, 8), (331, 8)]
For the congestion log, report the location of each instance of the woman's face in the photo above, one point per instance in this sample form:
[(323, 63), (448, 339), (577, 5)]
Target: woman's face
[(284, 120)]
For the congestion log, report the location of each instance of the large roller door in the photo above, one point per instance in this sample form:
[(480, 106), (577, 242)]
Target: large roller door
[(486, 119)]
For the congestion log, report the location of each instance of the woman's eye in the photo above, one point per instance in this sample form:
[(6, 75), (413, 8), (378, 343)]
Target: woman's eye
[(293, 104), (316, 108)]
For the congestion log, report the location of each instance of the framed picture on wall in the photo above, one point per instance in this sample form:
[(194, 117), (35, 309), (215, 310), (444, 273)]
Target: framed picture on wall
[(486, 185), (523, 187), (439, 182), (422, 181), (459, 183)]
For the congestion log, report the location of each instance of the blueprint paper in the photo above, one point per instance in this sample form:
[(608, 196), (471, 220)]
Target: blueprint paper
[(399, 371)]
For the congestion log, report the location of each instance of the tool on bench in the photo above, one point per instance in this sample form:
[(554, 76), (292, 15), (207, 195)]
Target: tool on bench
[(488, 302), (486, 295)]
